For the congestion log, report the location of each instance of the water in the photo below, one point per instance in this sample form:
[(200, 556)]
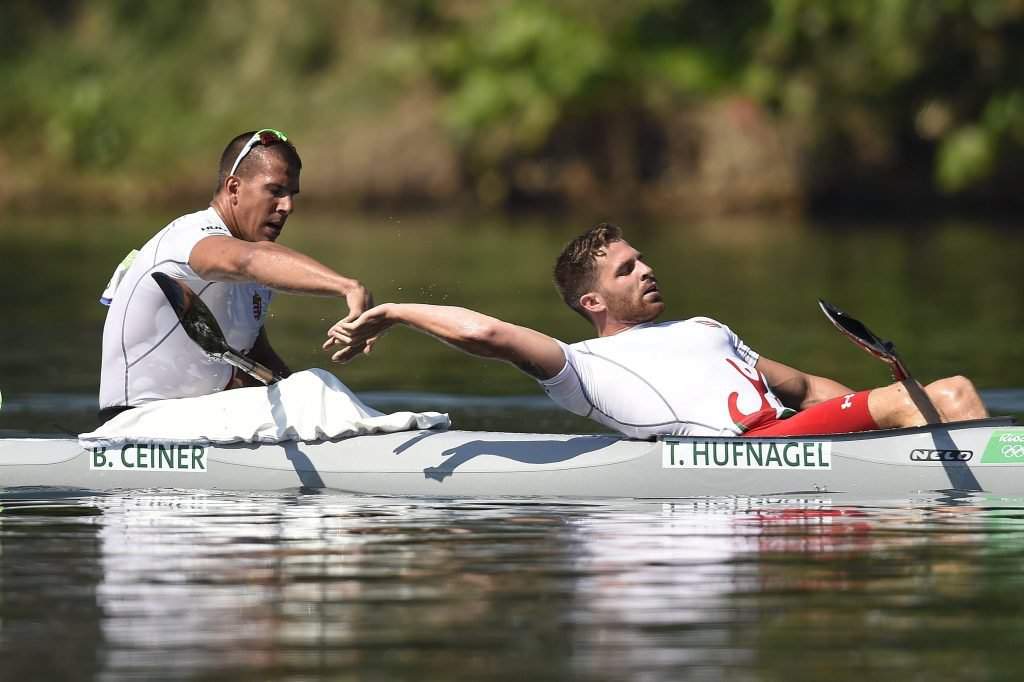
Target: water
[(288, 586), (180, 585)]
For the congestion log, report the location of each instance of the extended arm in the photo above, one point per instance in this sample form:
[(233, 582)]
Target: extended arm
[(797, 389), (226, 259), (531, 351)]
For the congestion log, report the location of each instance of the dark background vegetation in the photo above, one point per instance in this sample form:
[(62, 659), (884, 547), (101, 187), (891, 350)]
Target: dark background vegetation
[(673, 107)]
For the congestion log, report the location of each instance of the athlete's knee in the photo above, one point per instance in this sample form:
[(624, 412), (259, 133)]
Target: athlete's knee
[(956, 396), (950, 390)]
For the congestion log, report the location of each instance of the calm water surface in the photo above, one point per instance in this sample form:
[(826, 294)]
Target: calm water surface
[(177, 584)]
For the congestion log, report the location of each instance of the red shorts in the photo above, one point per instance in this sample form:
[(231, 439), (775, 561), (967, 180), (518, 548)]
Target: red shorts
[(845, 414)]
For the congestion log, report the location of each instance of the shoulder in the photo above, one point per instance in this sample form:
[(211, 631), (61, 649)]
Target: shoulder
[(203, 223), (695, 330), (693, 325), (181, 236), (705, 326), (703, 321)]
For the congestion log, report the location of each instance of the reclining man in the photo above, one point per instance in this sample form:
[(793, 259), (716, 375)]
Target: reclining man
[(228, 255), (642, 378)]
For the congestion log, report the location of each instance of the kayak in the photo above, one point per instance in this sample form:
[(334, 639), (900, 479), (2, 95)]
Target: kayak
[(974, 456)]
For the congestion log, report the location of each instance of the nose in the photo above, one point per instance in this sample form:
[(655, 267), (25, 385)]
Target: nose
[(285, 204), (645, 270)]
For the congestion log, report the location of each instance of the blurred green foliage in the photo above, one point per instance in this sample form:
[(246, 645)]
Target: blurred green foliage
[(127, 87), (874, 81)]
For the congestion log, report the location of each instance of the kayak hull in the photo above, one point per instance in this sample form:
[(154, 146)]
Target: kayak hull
[(983, 455)]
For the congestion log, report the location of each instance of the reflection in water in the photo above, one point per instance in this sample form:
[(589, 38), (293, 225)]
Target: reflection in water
[(178, 585), (50, 621)]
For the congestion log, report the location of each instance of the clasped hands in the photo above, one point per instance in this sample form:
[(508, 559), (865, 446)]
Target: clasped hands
[(357, 333)]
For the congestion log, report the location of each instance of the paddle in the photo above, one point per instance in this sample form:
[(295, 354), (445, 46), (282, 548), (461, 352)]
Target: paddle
[(885, 351), (201, 326)]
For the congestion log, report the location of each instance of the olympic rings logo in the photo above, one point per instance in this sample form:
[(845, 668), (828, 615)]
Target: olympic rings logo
[(1013, 451)]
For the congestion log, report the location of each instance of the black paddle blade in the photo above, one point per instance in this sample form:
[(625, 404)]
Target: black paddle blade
[(855, 328), (197, 320), (858, 332)]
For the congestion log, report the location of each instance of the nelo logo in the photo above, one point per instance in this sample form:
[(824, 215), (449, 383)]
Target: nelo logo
[(922, 455), (257, 306)]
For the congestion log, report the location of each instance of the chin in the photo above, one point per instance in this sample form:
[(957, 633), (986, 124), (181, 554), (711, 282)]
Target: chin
[(653, 314), (654, 309), (648, 313)]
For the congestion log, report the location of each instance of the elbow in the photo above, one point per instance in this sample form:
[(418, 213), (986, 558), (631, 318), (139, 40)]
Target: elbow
[(482, 337)]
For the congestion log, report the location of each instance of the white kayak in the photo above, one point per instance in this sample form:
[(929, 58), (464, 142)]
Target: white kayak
[(983, 455)]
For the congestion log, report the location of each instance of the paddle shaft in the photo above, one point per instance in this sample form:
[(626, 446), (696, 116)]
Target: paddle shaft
[(917, 394), (250, 367)]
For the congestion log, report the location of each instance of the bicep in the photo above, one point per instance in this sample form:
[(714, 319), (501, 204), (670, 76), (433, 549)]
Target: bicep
[(790, 384), (799, 389), (220, 258), (535, 353)]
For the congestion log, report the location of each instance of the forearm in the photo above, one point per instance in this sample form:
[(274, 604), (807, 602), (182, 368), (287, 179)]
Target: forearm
[(279, 268), (263, 353), (820, 389), (465, 329)]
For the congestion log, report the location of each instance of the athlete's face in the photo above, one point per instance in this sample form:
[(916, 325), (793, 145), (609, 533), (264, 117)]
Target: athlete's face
[(626, 285), (263, 201)]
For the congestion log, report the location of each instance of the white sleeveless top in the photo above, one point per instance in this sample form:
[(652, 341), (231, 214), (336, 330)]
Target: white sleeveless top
[(693, 377), (146, 354)]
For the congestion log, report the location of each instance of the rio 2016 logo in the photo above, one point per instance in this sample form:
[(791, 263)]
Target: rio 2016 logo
[(1005, 447)]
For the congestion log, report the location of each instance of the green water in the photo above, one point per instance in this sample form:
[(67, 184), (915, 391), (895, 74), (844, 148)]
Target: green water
[(947, 292)]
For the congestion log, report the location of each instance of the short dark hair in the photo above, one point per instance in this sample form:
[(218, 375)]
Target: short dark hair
[(576, 266), (286, 150)]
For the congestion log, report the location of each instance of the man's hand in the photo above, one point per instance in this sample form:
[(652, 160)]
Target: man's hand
[(358, 335), (358, 299)]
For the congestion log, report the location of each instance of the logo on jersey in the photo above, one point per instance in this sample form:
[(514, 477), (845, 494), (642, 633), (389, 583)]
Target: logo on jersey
[(257, 306), (214, 228), (847, 401), (769, 403)]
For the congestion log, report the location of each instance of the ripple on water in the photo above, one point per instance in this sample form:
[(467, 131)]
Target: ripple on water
[(273, 586)]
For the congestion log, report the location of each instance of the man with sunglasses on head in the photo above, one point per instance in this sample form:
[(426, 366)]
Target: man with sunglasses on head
[(228, 255), (645, 378)]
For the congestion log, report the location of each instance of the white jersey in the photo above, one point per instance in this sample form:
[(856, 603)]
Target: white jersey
[(693, 378), (146, 354)]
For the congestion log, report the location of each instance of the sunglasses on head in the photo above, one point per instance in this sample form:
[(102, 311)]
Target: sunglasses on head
[(265, 137)]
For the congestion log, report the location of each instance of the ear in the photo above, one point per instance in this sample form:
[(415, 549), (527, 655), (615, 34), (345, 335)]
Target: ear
[(231, 185), (592, 302)]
